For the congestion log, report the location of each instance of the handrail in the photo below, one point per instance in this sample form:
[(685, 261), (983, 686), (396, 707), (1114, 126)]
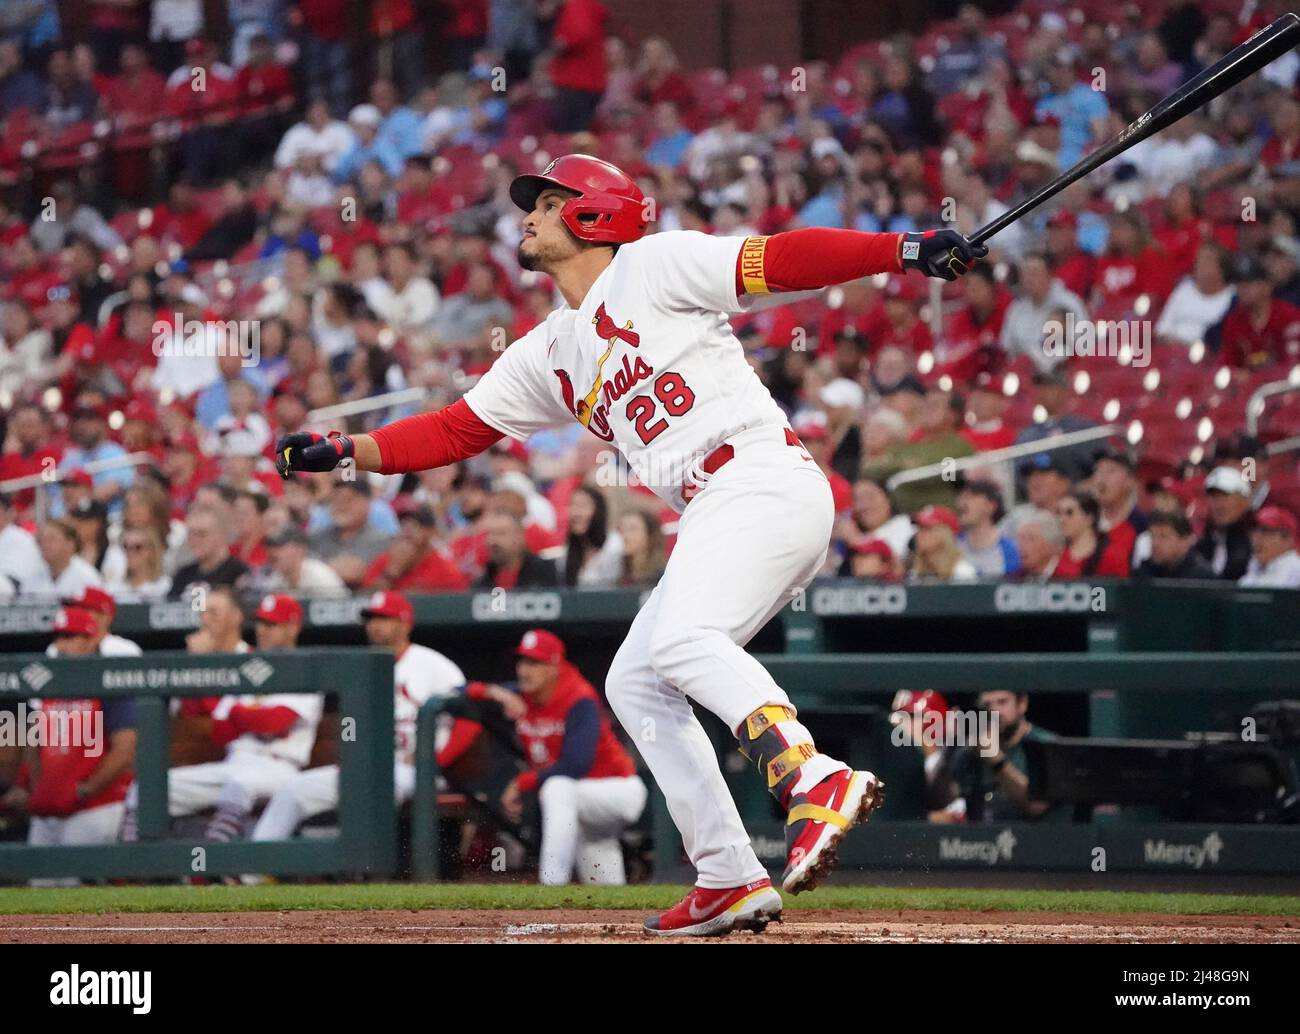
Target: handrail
[(131, 459), (38, 481), (1255, 405), (1010, 452), (367, 405)]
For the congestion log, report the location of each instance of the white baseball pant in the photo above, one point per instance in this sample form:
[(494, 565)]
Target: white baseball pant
[(581, 823), (242, 781), (90, 827), (747, 544), (314, 792)]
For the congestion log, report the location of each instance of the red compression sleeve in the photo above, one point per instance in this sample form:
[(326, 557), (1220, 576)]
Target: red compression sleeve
[(264, 721), (802, 260), (463, 734), (433, 439)]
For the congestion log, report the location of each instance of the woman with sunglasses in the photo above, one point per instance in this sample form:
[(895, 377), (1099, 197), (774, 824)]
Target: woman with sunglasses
[(1089, 551), (144, 579)]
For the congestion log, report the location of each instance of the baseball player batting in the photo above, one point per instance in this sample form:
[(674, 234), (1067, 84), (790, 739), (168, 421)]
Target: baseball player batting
[(642, 354)]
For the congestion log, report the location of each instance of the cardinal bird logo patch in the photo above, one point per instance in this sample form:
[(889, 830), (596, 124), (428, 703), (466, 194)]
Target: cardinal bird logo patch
[(608, 330)]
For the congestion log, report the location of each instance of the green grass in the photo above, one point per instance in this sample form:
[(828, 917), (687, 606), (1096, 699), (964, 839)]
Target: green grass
[(345, 897)]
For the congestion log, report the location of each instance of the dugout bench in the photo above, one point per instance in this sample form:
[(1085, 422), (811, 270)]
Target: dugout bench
[(361, 679)]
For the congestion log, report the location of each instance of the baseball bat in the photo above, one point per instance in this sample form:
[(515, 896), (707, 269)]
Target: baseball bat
[(1268, 43)]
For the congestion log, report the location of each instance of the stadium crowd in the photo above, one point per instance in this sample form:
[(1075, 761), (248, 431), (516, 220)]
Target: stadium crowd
[(358, 236)]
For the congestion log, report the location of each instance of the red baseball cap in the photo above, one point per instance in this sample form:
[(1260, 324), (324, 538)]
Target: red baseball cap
[(541, 645), (1276, 519), (874, 547), (932, 516), (917, 702), (279, 609), (811, 430), (74, 621), (94, 599), (79, 477), (389, 604)]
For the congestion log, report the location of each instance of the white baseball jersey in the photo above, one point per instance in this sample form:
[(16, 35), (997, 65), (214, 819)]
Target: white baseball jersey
[(647, 362), (420, 673), (295, 745), (111, 646)]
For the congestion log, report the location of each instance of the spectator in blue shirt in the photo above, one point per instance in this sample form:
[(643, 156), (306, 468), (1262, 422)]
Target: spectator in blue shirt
[(19, 89), (91, 444), (980, 510), (400, 127), (1079, 108), (365, 120), (213, 402), (668, 148)]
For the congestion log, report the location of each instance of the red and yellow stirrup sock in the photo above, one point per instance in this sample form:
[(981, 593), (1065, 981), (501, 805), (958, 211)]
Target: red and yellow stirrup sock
[(783, 751)]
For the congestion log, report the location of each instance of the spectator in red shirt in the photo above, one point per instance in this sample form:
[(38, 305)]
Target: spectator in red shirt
[(1259, 330), (904, 328), (985, 407), (415, 563), (29, 449), (579, 68), (206, 113), (1073, 267), (180, 218), (659, 79), (1131, 268), (465, 32), (1185, 229), (137, 94), (265, 96), (969, 345), (1089, 552), (30, 278)]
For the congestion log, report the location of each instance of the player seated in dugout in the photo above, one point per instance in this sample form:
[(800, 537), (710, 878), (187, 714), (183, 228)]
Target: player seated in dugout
[(267, 738), (581, 777), (987, 781)]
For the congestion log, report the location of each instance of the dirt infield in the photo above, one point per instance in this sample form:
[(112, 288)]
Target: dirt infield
[(550, 926)]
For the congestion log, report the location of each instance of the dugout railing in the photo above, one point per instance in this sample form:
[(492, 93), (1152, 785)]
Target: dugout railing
[(361, 679), (1115, 686)]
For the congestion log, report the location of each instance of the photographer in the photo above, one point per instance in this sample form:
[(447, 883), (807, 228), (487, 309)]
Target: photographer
[(992, 780)]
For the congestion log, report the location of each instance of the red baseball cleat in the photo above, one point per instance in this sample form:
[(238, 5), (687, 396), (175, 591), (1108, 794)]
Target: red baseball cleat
[(706, 912), (818, 820)]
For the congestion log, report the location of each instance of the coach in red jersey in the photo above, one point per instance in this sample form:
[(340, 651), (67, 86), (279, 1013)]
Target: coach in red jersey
[(75, 776), (586, 783)]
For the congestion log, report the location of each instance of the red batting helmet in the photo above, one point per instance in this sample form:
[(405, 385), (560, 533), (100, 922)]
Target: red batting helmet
[(609, 208)]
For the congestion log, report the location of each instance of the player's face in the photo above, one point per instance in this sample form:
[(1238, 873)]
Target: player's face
[(385, 632), (534, 676), (75, 645), (276, 635), (546, 240)]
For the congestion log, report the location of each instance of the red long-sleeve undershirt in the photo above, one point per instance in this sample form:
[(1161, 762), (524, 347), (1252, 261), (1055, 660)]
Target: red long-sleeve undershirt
[(812, 258), (263, 721), (796, 260), (430, 440)]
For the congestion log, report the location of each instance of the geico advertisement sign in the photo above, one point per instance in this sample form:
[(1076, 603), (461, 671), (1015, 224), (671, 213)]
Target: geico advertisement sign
[(829, 600), (1050, 598)]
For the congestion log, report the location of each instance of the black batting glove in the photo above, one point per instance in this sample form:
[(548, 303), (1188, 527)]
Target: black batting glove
[(306, 450), (942, 253)]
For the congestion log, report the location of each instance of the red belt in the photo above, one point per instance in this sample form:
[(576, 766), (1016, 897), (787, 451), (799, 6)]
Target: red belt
[(724, 453)]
